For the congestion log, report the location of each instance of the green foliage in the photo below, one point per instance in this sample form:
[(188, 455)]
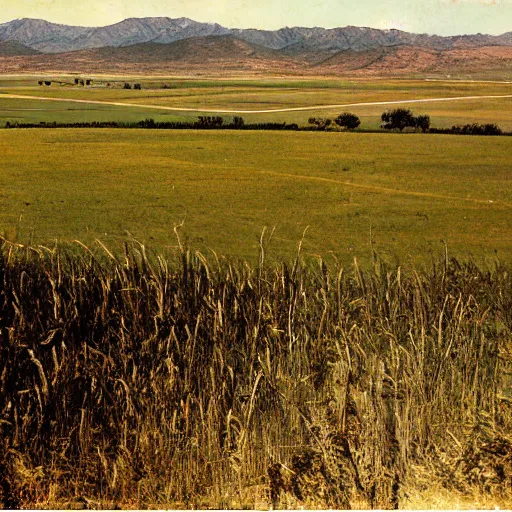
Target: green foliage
[(321, 123), (422, 123), (238, 122), (477, 129), (210, 121), (348, 121), (401, 118), (398, 119)]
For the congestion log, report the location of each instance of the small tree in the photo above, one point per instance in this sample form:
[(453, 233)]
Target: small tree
[(137, 86), (348, 121), (209, 122), (127, 86), (77, 81), (320, 122), (88, 81), (238, 122), (398, 119), (40, 82), (492, 129), (422, 123), (47, 83)]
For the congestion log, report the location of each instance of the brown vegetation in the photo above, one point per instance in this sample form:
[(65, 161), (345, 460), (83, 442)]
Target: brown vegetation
[(138, 381)]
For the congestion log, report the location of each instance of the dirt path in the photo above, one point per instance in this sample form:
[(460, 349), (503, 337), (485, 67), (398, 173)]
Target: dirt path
[(268, 111), (386, 190)]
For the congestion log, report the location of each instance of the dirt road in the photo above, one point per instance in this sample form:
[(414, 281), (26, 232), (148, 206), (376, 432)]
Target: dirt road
[(266, 111)]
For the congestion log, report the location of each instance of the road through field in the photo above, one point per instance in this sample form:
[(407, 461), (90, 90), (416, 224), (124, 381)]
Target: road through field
[(387, 190), (265, 111)]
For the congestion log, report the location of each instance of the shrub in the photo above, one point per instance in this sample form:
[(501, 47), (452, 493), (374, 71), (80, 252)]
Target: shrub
[(477, 129), (238, 122), (398, 119), (423, 123), (348, 121), (320, 122)]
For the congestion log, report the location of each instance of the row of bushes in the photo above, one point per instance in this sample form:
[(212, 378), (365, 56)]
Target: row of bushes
[(54, 124), (215, 123), (398, 119), (203, 123), (401, 119), (471, 129)]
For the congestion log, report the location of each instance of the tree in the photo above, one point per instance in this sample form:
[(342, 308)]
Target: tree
[(238, 122), (209, 122), (477, 129), (348, 121), (320, 122), (492, 129), (47, 83), (88, 81), (137, 86), (77, 81), (398, 119), (423, 123), (127, 86)]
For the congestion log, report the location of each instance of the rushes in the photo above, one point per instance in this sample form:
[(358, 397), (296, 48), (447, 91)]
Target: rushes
[(196, 383)]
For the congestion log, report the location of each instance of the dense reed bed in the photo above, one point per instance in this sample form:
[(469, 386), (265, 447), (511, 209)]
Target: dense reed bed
[(137, 381)]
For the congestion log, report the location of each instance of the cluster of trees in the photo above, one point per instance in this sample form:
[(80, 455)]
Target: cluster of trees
[(135, 86), (215, 123), (202, 123), (471, 129), (346, 120), (54, 124), (80, 81), (44, 82), (401, 118), (397, 119)]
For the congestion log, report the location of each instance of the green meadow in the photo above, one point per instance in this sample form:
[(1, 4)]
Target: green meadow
[(405, 196), (252, 95)]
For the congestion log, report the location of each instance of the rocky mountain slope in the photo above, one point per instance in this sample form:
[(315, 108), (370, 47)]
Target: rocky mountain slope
[(167, 45), (54, 38), (13, 48)]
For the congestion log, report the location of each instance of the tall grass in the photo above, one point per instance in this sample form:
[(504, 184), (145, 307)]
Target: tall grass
[(135, 380)]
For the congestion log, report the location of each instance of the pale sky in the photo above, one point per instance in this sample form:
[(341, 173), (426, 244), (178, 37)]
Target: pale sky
[(443, 17)]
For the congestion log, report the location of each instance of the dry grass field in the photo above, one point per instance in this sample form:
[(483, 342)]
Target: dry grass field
[(140, 382), (404, 195), (254, 319)]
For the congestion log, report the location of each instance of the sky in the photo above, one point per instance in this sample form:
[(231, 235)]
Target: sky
[(443, 17)]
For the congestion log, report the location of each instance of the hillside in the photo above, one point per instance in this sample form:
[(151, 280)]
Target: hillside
[(167, 45), (13, 48), (55, 38)]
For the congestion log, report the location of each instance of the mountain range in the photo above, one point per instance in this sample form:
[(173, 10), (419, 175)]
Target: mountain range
[(149, 41)]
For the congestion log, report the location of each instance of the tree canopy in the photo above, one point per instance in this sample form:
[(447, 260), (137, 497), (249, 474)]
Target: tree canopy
[(348, 121)]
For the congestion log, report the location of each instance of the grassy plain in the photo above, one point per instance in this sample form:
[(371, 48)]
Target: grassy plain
[(215, 371), (403, 194), (257, 94)]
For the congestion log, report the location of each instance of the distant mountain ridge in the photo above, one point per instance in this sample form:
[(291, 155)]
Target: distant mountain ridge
[(47, 37)]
